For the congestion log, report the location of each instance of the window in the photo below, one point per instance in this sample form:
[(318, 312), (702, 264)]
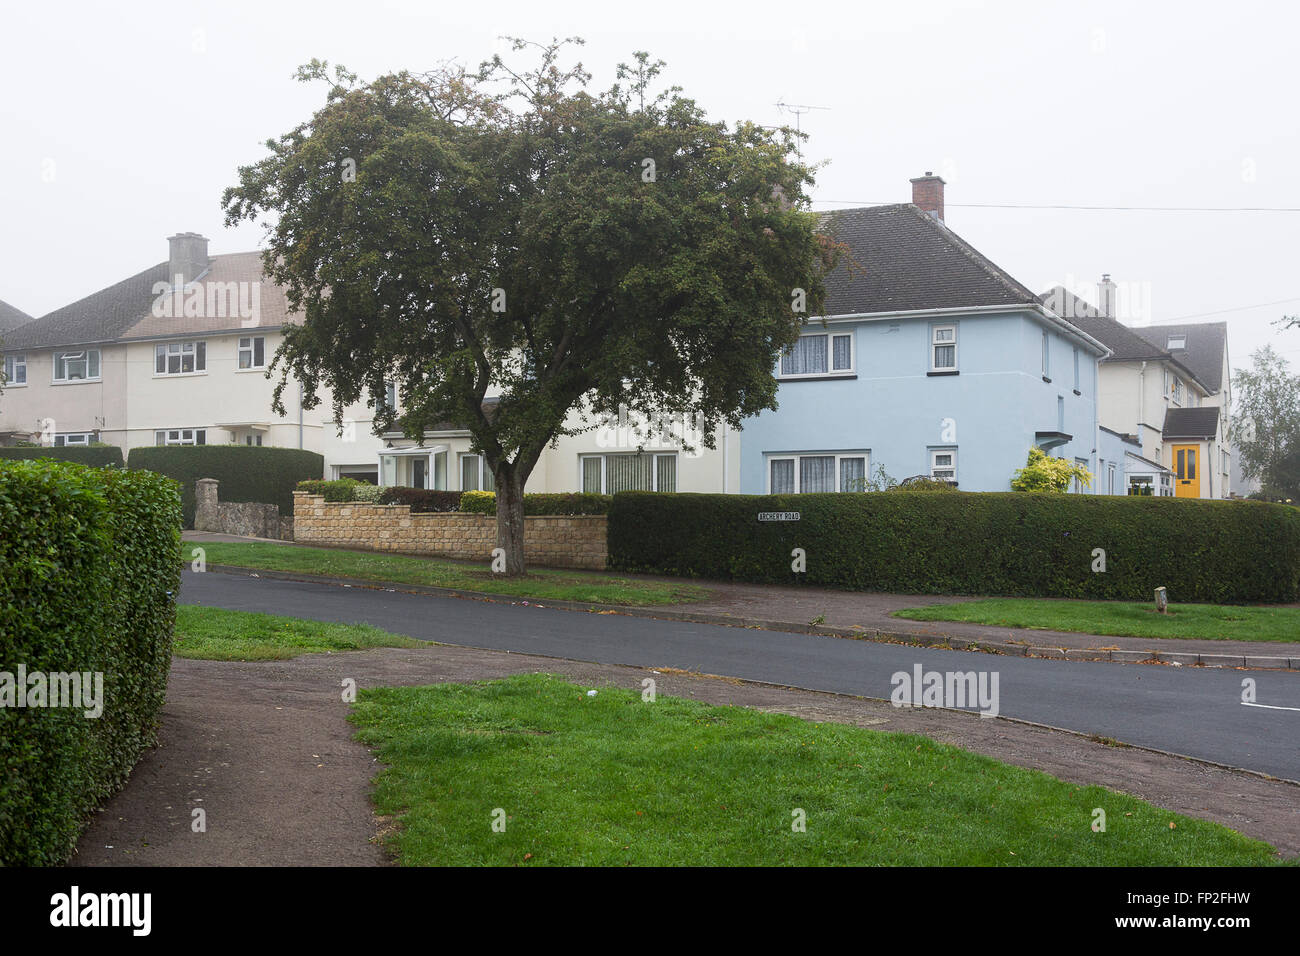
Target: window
[(1178, 390), (824, 354), (181, 436), (15, 369), (73, 439), (249, 440), (252, 352), (80, 366), (1176, 342), (1076, 370), (943, 348), (806, 474), (1078, 482), (943, 464), (388, 401), (475, 475), (1047, 365), (1110, 478), (180, 358), (1227, 464), (610, 474)]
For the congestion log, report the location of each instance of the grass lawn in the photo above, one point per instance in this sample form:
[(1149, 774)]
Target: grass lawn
[(1205, 621), (544, 584), (612, 780), (215, 634)]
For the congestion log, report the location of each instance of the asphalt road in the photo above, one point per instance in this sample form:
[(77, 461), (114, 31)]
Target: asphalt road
[(1193, 711)]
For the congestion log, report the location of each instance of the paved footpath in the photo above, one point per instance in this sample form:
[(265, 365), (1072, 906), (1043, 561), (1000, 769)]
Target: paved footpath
[(266, 750)]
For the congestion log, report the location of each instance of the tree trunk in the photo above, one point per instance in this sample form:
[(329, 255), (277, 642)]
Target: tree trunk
[(510, 521)]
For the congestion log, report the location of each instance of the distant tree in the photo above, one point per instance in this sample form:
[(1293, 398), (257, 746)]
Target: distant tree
[(1266, 424), (509, 233), (1044, 473)]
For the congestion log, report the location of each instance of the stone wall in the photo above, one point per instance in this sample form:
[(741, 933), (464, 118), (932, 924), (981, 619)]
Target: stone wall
[(247, 518), (549, 540)]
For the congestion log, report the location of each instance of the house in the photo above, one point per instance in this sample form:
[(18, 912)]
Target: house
[(174, 355), (1167, 386), (931, 360), (13, 370)]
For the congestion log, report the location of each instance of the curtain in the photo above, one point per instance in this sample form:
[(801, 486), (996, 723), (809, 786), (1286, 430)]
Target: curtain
[(783, 477), (806, 357), (666, 473), (852, 473), (469, 473), (945, 356), (842, 357), (627, 473), (591, 476), (817, 473)]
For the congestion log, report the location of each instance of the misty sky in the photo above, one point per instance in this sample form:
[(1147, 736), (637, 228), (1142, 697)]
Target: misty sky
[(123, 123)]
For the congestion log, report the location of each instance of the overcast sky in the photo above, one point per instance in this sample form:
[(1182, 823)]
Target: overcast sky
[(123, 123)]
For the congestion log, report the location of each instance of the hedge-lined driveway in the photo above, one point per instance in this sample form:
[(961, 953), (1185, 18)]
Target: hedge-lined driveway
[(1198, 712)]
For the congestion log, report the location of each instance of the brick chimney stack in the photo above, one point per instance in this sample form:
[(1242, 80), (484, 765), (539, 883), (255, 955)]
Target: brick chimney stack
[(187, 256), (927, 193)]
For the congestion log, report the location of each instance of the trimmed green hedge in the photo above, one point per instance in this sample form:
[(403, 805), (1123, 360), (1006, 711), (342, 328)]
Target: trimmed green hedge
[(967, 543), (574, 503), (96, 456), (421, 500), (342, 489), (89, 571), (245, 472)]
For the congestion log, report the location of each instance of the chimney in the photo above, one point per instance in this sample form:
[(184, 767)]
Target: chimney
[(927, 193), (1106, 296), (187, 257)]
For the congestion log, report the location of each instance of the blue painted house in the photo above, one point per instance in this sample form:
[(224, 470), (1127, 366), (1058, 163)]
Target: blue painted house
[(931, 360)]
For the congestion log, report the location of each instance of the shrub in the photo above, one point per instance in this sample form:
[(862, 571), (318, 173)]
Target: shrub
[(246, 472), (968, 543), (1044, 473), (485, 502), (340, 489), (89, 571), (96, 456), (421, 500)]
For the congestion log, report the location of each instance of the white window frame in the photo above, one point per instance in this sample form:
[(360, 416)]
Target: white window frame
[(179, 349), (1076, 369), (1178, 390), (482, 469), (935, 345), (12, 365), (60, 360), (168, 441), (66, 439), (1047, 354), (251, 349), (864, 454), (935, 466), (604, 470), (1180, 339), (831, 371)]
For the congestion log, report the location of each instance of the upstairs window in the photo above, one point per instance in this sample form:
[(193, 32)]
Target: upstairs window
[(180, 358), (824, 354), (15, 370), (943, 464), (1176, 342), (81, 366), (1047, 364), (1076, 370), (252, 352), (943, 348), (1178, 390)]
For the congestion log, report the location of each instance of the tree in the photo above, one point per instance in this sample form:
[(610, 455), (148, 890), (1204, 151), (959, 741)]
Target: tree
[(512, 235), (1044, 473), (1266, 424)]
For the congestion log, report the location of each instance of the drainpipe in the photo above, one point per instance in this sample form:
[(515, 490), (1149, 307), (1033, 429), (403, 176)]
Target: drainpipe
[(726, 460), (1142, 390), (300, 415)]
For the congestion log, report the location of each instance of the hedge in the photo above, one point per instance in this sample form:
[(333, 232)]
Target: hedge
[(421, 500), (245, 472), (89, 570), (96, 456), (970, 543), (342, 489), (575, 503)]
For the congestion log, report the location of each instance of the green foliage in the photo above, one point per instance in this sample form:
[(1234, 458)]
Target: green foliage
[(96, 456), (421, 500), (1266, 424), (1044, 473), (503, 228), (485, 502), (967, 543), (340, 489), (246, 473), (89, 571)]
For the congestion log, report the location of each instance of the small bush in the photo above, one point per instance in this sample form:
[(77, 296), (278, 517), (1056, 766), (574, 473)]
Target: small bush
[(1007, 543), (245, 472), (89, 571), (485, 502), (340, 489), (96, 455), (421, 500)]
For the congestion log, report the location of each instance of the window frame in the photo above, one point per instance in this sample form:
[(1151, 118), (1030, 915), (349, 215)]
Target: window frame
[(198, 436), (61, 439), (935, 466), (482, 470), (12, 363), (1047, 355), (935, 345), (251, 349), (60, 360), (839, 456), (604, 468), (197, 348), (831, 371)]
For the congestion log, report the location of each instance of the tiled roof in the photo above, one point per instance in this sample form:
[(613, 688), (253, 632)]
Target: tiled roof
[(1124, 343), (1200, 422), (11, 318), (233, 294), (900, 259), (1203, 355)]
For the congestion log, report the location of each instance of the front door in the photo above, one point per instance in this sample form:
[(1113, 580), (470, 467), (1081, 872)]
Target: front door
[(1187, 473)]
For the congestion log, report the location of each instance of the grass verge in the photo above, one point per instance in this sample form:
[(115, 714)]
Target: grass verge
[(1123, 619), (215, 634), (543, 584), (614, 780)]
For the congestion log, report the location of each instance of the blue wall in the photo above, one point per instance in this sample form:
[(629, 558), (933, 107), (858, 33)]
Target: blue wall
[(898, 412)]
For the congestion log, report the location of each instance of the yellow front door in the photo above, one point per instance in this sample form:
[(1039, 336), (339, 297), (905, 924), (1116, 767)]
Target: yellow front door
[(1187, 471)]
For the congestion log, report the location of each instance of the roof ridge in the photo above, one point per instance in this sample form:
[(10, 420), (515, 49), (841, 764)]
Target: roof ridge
[(1010, 282)]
